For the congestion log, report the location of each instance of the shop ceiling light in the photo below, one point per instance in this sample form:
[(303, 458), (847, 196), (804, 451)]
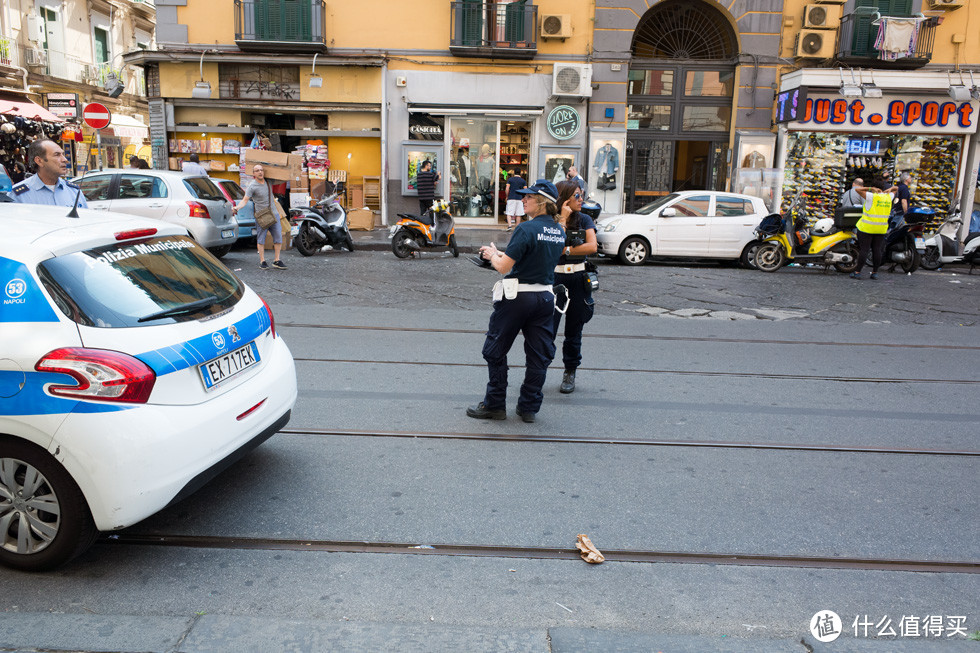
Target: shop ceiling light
[(112, 85), (959, 92), (202, 90), (849, 90), (870, 90), (315, 80)]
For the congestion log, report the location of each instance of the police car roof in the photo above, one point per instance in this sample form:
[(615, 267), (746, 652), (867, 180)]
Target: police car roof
[(33, 230)]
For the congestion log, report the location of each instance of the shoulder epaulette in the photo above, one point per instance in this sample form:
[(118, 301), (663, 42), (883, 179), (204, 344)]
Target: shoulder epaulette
[(21, 188), (71, 185)]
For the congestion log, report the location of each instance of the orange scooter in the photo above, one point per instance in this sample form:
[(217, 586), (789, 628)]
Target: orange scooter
[(434, 229)]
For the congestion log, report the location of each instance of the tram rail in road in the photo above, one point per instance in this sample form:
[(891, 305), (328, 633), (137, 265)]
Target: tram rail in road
[(617, 336), (543, 553)]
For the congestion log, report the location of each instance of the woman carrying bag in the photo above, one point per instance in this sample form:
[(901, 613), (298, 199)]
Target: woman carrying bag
[(259, 190)]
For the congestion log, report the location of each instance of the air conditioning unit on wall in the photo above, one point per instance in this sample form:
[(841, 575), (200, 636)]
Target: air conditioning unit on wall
[(36, 57), (821, 16), (556, 26), (572, 79), (816, 43), (947, 4)]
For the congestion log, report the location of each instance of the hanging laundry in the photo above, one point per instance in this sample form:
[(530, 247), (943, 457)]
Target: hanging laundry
[(897, 37)]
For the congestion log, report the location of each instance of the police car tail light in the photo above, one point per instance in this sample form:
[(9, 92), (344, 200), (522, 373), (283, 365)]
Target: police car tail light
[(198, 210), (101, 375), (272, 319), (135, 233)]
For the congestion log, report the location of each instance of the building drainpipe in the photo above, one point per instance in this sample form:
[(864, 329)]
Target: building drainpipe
[(384, 143), (782, 135), (969, 185)]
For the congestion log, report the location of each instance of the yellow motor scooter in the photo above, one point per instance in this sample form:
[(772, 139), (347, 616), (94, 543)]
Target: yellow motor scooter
[(790, 237)]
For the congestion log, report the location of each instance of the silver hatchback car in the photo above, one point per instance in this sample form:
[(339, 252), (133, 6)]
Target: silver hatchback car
[(191, 201)]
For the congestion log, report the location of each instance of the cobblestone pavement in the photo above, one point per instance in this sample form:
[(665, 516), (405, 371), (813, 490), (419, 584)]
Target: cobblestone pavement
[(663, 290)]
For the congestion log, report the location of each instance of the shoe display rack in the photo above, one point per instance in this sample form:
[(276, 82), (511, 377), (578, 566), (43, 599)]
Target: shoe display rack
[(818, 164), (815, 164), (933, 162)]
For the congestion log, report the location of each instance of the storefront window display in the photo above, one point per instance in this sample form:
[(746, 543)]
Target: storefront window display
[(413, 156), (824, 165), (605, 178), (556, 165), (473, 167)]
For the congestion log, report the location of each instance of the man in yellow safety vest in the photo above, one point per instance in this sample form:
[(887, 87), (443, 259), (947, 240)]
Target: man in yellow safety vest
[(873, 225)]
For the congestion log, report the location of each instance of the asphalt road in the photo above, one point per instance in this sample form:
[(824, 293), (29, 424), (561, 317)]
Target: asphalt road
[(718, 411)]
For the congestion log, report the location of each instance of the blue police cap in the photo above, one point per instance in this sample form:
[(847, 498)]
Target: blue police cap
[(542, 187)]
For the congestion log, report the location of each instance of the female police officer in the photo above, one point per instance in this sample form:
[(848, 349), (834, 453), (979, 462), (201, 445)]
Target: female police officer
[(571, 273), (523, 302)]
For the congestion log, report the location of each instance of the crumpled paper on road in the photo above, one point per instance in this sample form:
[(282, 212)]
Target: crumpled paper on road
[(590, 554)]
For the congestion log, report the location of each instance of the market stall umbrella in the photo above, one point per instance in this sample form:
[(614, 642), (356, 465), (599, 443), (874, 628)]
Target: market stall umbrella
[(27, 109)]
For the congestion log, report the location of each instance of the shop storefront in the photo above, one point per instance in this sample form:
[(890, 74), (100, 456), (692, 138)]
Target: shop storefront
[(22, 121), (475, 153), (836, 139), (477, 147)]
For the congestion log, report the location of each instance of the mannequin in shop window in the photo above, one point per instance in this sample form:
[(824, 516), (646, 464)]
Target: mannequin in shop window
[(484, 166)]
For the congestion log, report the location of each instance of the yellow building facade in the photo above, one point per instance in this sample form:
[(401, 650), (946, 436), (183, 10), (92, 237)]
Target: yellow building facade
[(469, 85), (878, 89)]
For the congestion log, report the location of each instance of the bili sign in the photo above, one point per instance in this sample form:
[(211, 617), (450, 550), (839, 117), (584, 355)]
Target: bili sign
[(919, 115)]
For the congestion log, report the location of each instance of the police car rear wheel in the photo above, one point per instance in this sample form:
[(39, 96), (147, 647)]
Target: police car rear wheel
[(44, 520)]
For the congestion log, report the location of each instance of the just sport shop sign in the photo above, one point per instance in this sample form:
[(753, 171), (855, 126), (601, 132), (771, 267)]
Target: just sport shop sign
[(564, 122), (923, 114)]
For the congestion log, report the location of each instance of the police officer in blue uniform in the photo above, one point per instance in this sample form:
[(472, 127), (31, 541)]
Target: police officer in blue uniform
[(47, 185), (571, 273), (524, 302)]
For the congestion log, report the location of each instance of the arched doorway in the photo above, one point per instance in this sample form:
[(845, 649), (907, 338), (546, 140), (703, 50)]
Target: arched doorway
[(681, 83)]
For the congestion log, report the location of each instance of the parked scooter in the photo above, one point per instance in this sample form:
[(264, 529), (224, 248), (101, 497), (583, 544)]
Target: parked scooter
[(942, 249), (788, 238), (903, 242), (323, 224), (434, 229), (591, 208)]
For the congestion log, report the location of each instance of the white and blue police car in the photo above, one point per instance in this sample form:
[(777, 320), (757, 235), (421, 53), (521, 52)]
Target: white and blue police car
[(133, 368)]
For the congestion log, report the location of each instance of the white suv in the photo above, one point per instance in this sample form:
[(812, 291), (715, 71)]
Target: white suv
[(133, 368)]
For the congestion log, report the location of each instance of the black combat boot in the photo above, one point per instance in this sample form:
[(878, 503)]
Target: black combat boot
[(567, 382)]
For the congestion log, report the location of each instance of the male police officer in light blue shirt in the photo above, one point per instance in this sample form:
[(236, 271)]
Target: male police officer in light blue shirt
[(47, 185)]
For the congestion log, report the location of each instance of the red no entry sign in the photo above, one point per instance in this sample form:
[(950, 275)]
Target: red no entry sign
[(96, 115)]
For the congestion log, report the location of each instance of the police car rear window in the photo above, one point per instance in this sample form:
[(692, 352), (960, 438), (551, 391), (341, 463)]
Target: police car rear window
[(115, 285)]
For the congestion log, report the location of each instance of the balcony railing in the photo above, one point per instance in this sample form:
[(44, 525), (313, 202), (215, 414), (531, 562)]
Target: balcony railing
[(494, 29), (8, 52), (855, 44), (280, 25)]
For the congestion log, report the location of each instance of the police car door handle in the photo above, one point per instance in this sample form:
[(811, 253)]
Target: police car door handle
[(156, 206)]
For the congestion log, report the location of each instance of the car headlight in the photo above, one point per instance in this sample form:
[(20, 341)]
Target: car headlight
[(611, 225)]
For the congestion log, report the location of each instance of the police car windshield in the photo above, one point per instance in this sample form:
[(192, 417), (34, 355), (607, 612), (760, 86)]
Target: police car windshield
[(119, 285)]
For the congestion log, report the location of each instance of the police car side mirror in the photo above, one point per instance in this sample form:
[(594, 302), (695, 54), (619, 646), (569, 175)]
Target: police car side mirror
[(669, 212)]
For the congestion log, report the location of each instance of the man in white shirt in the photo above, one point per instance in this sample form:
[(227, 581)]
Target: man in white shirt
[(194, 166)]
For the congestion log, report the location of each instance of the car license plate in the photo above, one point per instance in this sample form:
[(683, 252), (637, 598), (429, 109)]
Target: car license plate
[(224, 367), (227, 233), (920, 244)]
